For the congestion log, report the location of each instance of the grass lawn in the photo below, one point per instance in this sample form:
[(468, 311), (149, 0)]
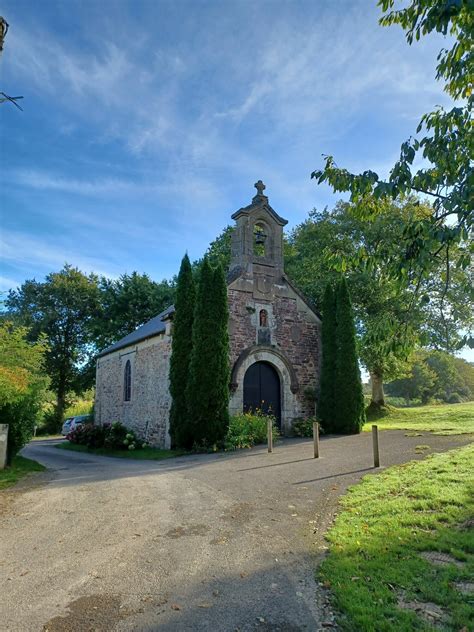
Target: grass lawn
[(444, 419), (152, 454), (375, 568), (20, 467)]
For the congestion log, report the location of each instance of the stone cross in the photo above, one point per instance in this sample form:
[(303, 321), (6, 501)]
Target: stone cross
[(260, 187)]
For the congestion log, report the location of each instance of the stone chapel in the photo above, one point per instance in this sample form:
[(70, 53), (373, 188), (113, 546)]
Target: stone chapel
[(274, 334)]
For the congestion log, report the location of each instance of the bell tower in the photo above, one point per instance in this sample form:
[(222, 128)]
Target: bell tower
[(257, 241)]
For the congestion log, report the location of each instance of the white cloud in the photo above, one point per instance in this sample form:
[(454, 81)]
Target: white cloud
[(47, 253), (7, 283)]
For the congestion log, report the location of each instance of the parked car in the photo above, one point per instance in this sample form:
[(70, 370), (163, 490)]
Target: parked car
[(66, 429), (72, 423)]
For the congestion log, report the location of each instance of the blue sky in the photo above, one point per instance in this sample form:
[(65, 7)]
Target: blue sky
[(146, 124)]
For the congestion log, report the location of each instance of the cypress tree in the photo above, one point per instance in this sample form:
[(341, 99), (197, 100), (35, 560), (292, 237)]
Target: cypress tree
[(350, 412), (208, 387), (181, 347), (327, 397), (221, 340)]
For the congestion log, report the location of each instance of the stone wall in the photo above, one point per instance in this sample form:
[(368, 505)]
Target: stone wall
[(290, 341), (147, 412)]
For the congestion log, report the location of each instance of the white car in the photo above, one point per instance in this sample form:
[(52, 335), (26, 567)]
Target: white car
[(72, 423), (66, 429)]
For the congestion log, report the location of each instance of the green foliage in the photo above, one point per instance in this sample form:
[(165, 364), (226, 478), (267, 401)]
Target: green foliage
[(22, 384), (127, 303), (61, 308), (208, 386), (248, 429), (119, 437), (448, 380), (83, 405), (444, 146), (303, 427), (349, 414), (329, 243), (465, 371), (181, 430), (392, 315), (455, 398), (434, 375), (418, 384), (19, 468), (219, 251), (375, 544), (327, 397)]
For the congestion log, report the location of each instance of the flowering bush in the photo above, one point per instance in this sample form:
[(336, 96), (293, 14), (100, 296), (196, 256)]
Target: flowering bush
[(248, 429), (88, 435), (113, 437)]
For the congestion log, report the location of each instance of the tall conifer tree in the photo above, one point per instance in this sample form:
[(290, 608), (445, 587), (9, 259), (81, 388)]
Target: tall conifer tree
[(221, 340), (181, 347), (208, 393), (327, 397), (350, 412)]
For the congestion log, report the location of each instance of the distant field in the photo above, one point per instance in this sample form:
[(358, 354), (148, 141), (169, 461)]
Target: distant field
[(444, 419)]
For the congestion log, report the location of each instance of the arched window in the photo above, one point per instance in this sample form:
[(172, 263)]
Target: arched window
[(259, 239), (127, 382), (263, 317)]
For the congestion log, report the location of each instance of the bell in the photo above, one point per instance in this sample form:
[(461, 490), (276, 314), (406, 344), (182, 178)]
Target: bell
[(260, 237)]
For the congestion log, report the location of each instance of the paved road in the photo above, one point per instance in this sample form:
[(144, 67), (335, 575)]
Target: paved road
[(221, 542)]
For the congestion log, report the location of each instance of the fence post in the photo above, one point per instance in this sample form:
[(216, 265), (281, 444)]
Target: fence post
[(375, 444), (270, 434), (316, 439), (3, 445)]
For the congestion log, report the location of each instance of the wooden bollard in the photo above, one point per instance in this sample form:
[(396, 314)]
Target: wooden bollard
[(316, 439), (375, 444), (270, 434)]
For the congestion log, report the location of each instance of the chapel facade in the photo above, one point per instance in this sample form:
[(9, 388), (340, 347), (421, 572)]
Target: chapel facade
[(274, 336)]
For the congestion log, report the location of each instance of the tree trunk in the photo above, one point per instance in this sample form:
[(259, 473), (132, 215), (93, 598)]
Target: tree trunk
[(60, 406), (378, 396)]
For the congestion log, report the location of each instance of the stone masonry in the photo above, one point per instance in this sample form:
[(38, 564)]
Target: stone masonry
[(147, 411)]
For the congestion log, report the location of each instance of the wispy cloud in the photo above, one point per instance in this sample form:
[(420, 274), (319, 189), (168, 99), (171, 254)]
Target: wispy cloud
[(24, 251), (145, 133), (96, 187)]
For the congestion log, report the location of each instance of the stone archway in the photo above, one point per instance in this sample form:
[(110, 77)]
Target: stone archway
[(289, 404)]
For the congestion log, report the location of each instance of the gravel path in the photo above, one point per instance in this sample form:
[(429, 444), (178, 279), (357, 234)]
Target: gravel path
[(224, 542)]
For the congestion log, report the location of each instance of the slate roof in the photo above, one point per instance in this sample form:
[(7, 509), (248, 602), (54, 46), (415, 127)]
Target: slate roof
[(152, 328)]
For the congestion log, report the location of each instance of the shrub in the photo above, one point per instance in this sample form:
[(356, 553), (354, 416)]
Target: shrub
[(119, 437), (22, 384), (303, 427), (248, 429), (455, 398), (113, 437), (88, 435)]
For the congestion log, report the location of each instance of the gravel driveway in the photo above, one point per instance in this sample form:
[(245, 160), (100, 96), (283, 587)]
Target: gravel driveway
[(220, 542)]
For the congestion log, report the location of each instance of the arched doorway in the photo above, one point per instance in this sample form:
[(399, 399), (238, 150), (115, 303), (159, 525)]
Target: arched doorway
[(262, 389)]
